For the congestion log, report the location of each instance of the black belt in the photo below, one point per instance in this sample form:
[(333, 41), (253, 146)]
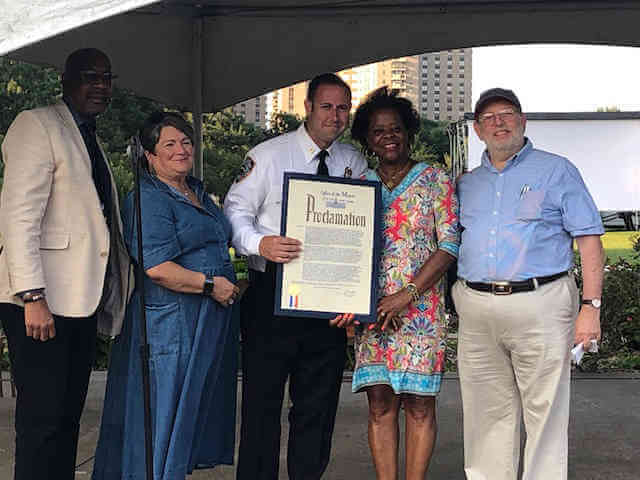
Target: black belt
[(507, 288)]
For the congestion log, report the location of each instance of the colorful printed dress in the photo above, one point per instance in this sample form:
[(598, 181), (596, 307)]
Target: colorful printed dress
[(420, 217)]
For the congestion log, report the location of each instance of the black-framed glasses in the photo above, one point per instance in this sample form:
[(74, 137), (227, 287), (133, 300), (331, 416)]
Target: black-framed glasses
[(502, 115), (92, 77)]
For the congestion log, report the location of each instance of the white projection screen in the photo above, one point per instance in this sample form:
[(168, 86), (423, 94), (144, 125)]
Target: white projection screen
[(605, 150)]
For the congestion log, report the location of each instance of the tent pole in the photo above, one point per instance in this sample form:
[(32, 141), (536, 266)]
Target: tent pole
[(144, 345), (198, 163)]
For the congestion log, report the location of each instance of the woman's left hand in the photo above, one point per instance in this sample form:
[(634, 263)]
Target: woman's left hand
[(224, 291), (389, 309)]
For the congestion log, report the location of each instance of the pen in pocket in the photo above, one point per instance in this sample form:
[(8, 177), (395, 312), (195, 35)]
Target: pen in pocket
[(525, 188)]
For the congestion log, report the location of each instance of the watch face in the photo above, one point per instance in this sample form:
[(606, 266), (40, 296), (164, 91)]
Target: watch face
[(594, 302)]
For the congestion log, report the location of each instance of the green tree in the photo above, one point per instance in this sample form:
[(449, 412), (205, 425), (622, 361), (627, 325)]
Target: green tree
[(123, 119), (432, 142), (24, 86), (283, 122), (226, 140)]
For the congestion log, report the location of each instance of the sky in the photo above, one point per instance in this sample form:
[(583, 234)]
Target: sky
[(561, 78)]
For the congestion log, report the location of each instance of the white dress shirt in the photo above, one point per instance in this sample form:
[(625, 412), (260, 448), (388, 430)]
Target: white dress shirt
[(253, 204)]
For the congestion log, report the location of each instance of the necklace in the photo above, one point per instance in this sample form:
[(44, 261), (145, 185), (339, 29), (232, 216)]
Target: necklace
[(392, 181), (187, 192)]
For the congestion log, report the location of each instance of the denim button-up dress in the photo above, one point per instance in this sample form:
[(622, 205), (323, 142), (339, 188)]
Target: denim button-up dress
[(193, 346)]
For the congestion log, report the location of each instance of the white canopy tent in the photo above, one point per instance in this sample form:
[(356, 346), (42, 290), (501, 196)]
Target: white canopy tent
[(240, 49), (207, 54)]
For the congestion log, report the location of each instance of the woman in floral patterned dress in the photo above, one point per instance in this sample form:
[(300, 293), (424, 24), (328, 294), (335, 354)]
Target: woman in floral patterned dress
[(400, 359)]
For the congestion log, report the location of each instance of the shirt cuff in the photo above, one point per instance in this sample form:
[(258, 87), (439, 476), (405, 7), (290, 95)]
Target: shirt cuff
[(21, 294), (253, 245), (598, 230)]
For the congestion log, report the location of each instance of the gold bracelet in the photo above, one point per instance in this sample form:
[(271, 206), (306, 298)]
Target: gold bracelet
[(413, 291)]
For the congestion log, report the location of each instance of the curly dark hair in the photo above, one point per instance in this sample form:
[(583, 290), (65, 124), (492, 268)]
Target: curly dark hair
[(383, 99)]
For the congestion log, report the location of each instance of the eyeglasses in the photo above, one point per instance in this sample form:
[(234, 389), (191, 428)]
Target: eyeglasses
[(92, 77), (502, 115)]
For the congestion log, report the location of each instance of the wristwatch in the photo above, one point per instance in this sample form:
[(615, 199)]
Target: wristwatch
[(207, 288), (32, 295), (594, 302)]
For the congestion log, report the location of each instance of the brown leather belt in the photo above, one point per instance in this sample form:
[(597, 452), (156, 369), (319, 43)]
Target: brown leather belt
[(507, 288)]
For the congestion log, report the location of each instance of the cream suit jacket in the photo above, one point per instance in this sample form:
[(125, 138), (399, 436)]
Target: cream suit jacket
[(52, 230)]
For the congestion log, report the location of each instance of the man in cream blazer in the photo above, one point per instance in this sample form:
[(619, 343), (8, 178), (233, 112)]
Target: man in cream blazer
[(64, 270)]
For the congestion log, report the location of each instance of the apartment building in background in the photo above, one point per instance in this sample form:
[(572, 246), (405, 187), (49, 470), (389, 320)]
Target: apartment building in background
[(254, 110), (362, 80), (445, 84), (401, 74), (438, 84), (289, 99)]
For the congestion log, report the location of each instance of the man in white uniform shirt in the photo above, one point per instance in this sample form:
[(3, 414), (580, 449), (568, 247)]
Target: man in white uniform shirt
[(310, 352)]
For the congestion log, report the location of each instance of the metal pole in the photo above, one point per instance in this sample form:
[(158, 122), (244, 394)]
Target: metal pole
[(198, 72), (144, 345)]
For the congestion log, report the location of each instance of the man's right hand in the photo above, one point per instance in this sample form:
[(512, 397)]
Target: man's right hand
[(38, 320), (280, 249)]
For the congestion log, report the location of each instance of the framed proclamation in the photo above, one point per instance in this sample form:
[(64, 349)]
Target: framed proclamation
[(338, 221)]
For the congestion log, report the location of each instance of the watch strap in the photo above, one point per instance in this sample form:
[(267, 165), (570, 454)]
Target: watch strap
[(594, 302), (207, 288), (32, 295)]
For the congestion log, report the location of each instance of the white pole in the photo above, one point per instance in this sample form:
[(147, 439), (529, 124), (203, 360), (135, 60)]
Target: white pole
[(198, 163)]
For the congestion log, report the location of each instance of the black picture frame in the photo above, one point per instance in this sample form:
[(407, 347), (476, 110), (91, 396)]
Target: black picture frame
[(375, 248)]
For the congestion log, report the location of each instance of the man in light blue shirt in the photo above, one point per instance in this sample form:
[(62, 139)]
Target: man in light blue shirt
[(520, 211)]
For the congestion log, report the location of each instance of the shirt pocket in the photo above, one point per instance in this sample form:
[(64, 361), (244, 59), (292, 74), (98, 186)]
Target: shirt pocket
[(530, 206), (163, 325)]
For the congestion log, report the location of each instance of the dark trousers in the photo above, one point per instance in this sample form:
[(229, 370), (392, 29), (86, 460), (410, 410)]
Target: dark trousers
[(52, 379), (312, 355)]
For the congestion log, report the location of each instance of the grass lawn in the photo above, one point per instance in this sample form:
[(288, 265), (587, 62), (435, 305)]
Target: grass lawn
[(619, 244)]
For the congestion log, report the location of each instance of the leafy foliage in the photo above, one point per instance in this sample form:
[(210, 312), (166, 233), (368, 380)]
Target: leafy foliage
[(24, 86), (619, 317), (283, 123), (226, 141)]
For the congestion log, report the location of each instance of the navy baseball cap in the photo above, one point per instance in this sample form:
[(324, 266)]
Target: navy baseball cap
[(495, 94)]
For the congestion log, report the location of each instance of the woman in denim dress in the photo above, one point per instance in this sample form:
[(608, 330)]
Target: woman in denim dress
[(189, 289)]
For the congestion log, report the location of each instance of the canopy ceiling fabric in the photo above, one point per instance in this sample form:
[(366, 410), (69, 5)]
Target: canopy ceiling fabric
[(240, 49)]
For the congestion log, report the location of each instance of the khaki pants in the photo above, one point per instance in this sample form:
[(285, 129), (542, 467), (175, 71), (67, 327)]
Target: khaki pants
[(514, 361)]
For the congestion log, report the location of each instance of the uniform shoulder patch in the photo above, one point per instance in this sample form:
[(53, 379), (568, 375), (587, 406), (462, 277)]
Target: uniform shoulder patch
[(245, 169)]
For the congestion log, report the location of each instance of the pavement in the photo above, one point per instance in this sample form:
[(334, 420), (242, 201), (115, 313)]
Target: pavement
[(604, 433)]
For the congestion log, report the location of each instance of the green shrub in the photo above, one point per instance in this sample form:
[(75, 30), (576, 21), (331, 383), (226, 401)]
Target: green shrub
[(619, 317)]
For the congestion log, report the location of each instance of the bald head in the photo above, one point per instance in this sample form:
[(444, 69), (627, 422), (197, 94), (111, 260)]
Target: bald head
[(86, 81)]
